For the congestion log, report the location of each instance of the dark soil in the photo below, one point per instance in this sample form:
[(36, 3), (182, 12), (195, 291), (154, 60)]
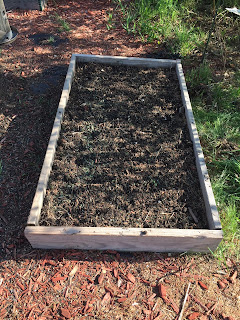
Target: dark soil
[(31, 80), (125, 157)]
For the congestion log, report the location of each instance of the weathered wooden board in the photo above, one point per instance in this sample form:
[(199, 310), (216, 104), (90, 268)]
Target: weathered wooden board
[(210, 204), (49, 157), (125, 239), (137, 62)]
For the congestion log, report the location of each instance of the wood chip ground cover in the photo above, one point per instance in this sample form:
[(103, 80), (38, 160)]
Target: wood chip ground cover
[(124, 157), (108, 285), (26, 288)]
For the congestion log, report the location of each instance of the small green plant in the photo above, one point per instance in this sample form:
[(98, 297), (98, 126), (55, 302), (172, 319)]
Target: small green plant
[(64, 26), (201, 75), (51, 40), (110, 21)]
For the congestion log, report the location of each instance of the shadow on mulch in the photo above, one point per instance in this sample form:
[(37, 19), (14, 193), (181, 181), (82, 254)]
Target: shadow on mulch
[(48, 79), (29, 104), (47, 39), (161, 55), (28, 108)]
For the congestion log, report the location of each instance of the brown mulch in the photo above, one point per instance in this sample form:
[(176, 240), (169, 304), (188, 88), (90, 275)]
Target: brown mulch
[(109, 285), (35, 284), (124, 148)]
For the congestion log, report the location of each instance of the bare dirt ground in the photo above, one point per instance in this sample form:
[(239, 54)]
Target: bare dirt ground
[(38, 284)]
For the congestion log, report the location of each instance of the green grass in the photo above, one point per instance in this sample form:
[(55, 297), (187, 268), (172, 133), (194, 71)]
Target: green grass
[(218, 130), (226, 187), (110, 24), (64, 26), (163, 21), (216, 110), (214, 87)]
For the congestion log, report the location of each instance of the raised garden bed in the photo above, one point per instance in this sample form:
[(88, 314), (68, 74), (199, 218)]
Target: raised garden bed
[(129, 172)]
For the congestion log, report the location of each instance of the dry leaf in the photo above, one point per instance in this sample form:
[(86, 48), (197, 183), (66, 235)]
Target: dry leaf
[(73, 272), (115, 272), (122, 299)]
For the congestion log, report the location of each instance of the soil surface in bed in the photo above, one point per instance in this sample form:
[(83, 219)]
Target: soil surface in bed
[(124, 157)]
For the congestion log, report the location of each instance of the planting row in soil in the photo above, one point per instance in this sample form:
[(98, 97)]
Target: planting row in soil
[(125, 165), (124, 157)]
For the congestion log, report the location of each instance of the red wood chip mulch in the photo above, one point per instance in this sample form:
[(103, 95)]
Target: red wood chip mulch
[(37, 284), (109, 285)]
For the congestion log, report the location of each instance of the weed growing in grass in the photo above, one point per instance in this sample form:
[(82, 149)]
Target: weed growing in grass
[(110, 21), (229, 207), (226, 96), (199, 76), (215, 109), (64, 26), (218, 130), (162, 21), (128, 16)]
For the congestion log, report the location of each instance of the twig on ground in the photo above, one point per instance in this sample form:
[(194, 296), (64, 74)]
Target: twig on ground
[(3, 218), (184, 302), (193, 215), (198, 302), (212, 309)]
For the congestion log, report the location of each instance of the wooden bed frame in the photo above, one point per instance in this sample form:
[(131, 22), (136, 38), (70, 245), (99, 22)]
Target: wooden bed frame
[(125, 239)]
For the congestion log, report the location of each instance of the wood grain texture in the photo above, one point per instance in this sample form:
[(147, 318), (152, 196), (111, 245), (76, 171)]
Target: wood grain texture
[(124, 239), (51, 149), (130, 61), (210, 204)]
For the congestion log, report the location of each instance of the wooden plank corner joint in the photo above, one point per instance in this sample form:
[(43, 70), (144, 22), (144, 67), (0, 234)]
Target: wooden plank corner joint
[(124, 239)]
